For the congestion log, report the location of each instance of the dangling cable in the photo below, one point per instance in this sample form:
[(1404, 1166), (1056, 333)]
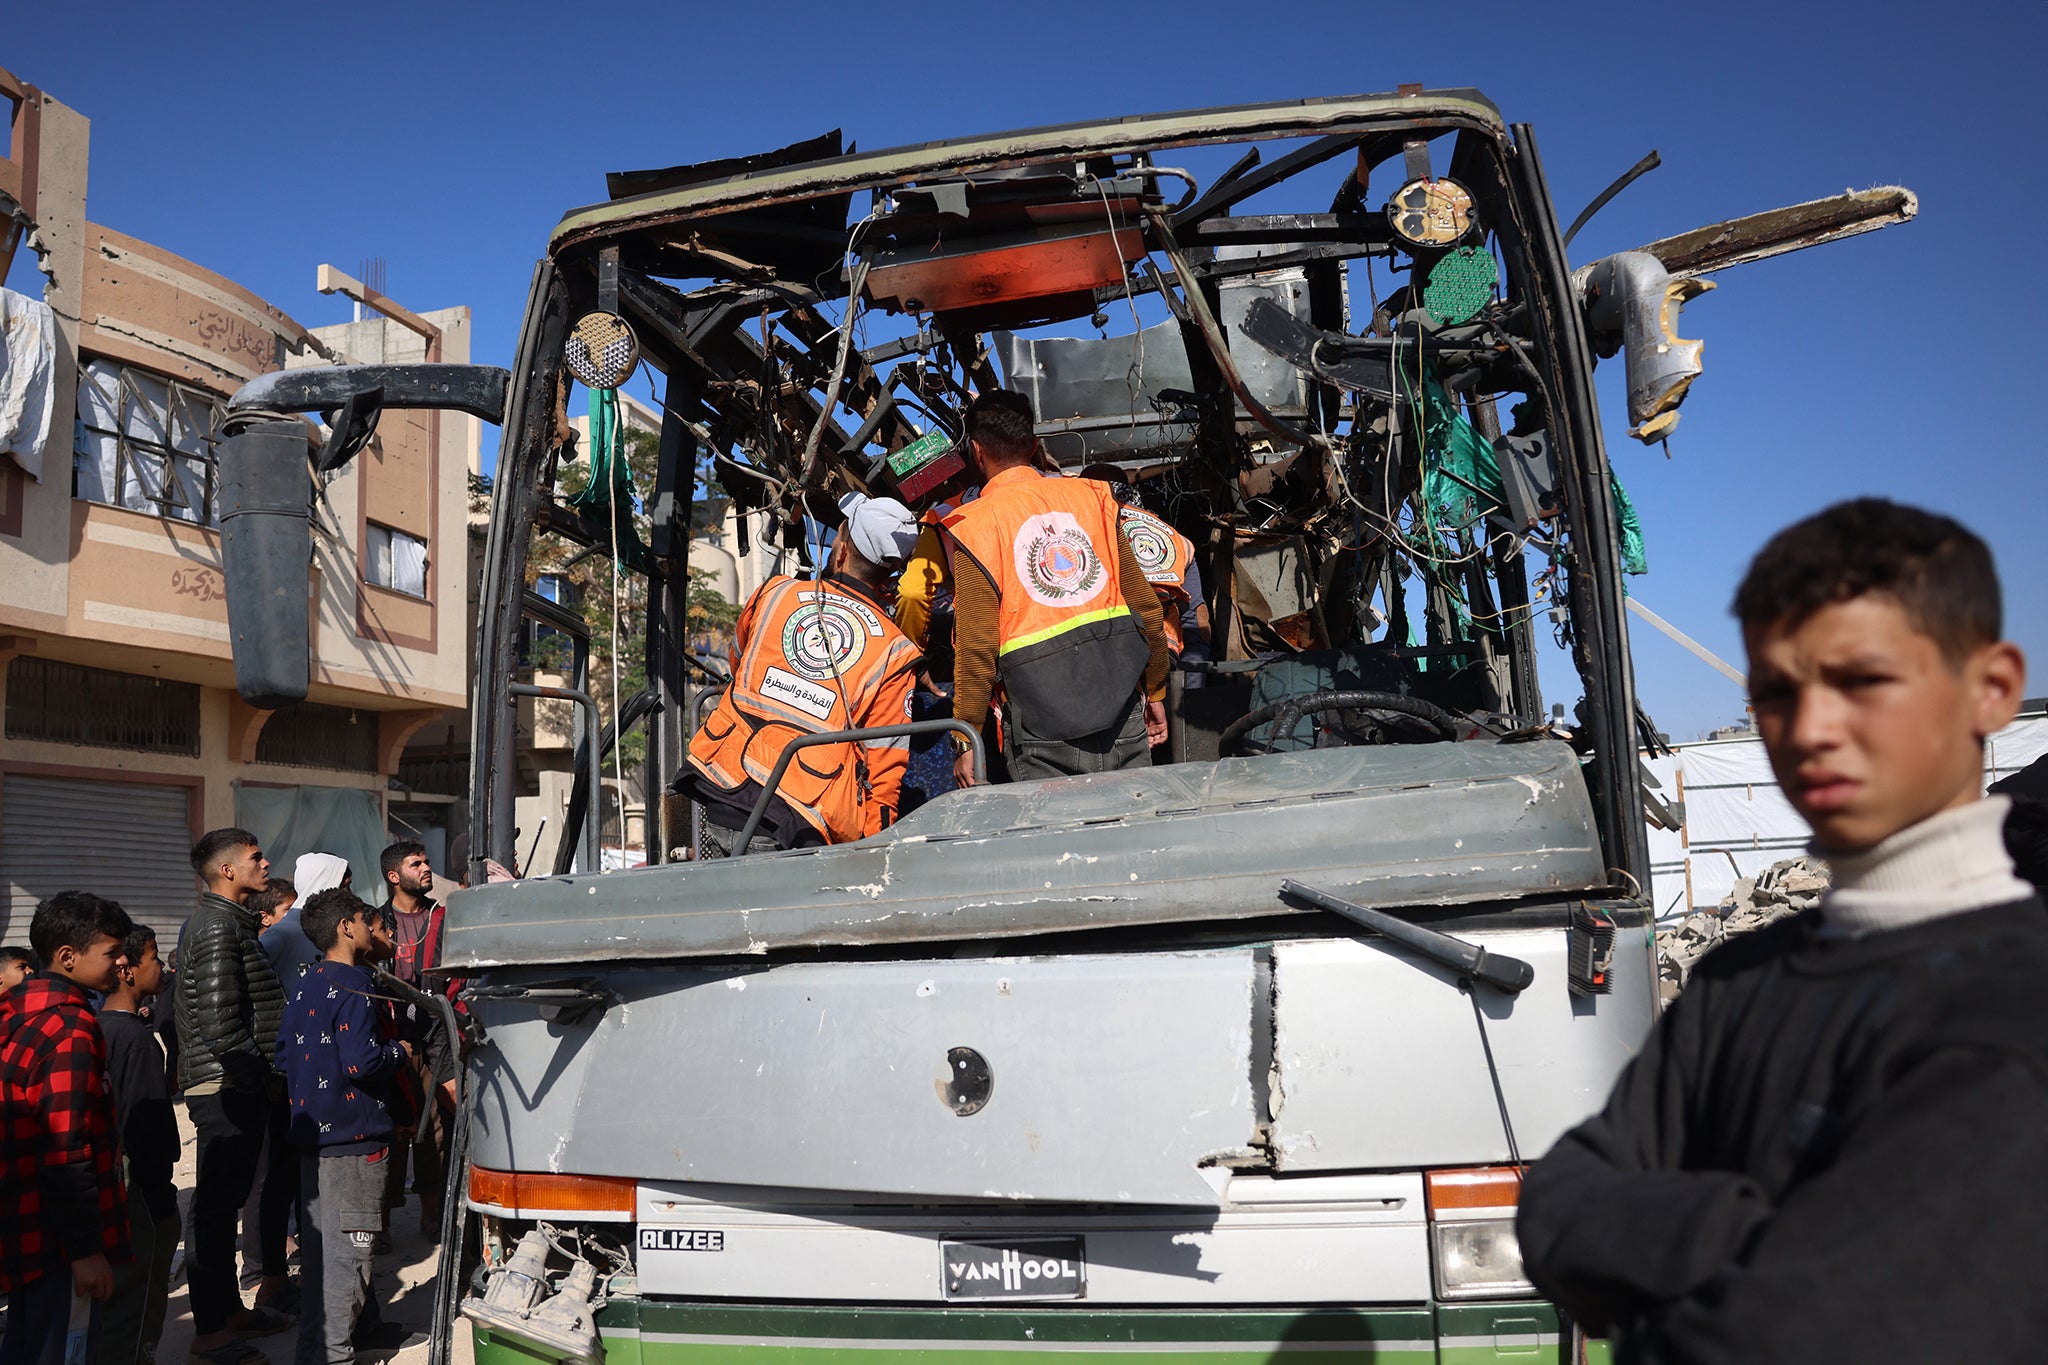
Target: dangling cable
[(1500, 1095), (1134, 376), (616, 451), (808, 472)]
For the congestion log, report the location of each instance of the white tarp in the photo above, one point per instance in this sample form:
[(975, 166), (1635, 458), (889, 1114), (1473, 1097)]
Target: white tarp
[(344, 821), (28, 356), (1737, 821)]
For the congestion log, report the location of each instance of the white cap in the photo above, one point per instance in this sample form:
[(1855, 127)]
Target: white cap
[(883, 529), (318, 872)]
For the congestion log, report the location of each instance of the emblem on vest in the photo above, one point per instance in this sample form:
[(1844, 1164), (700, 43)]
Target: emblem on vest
[(825, 635), (1152, 550), (1055, 561)]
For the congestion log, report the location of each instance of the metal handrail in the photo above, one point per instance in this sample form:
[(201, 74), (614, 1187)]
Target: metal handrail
[(593, 810), (699, 705), (905, 730)]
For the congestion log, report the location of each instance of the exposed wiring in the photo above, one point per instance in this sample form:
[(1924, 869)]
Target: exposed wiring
[(856, 282), (1134, 376)]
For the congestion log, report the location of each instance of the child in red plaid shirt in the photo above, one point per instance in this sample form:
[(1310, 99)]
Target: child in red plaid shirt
[(61, 1199)]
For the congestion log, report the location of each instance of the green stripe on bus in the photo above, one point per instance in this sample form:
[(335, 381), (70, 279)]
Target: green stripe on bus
[(661, 1350), (1025, 1325), (648, 1332), (1085, 618), (1547, 1350), (982, 1336), (1486, 1319), (1522, 1331)]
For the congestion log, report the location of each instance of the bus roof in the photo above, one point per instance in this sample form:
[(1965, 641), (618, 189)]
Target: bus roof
[(1323, 115)]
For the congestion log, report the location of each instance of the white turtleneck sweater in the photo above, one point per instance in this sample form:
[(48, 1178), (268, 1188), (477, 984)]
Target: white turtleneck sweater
[(1946, 864)]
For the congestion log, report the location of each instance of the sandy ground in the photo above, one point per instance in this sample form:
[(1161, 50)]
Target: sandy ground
[(403, 1283)]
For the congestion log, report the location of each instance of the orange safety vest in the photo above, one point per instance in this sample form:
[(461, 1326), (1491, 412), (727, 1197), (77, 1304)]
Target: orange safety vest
[(1164, 554), (808, 659), (1069, 650)]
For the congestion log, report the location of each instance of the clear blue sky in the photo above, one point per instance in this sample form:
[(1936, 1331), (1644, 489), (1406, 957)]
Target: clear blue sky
[(262, 140)]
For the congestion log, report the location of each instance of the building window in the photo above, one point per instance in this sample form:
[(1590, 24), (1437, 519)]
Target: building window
[(545, 648), (310, 735), (147, 443), (72, 704), (395, 560)]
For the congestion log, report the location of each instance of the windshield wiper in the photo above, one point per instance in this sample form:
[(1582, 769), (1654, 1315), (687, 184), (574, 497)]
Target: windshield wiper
[(1469, 960)]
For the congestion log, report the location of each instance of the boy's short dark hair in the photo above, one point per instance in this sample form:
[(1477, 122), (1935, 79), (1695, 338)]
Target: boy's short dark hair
[(1937, 570), (388, 862), (140, 940), (207, 852), (322, 917), (74, 919), (16, 953), (277, 891), (1002, 420)]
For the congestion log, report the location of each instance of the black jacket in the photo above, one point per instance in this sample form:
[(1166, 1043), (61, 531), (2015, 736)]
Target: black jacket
[(1829, 1149), (142, 1108), (229, 1001)]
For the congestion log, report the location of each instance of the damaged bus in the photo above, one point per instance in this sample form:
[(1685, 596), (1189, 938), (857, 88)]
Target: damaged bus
[(1235, 1055)]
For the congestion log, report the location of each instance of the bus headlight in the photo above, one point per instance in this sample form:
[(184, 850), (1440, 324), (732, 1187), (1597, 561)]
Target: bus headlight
[(1472, 1232), (1479, 1259)]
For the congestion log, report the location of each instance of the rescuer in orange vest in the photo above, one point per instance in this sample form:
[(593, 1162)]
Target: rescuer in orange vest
[(1050, 604), (1168, 559), (808, 658)]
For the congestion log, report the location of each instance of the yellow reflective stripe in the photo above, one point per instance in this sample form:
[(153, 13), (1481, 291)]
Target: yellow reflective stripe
[(1106, 614)]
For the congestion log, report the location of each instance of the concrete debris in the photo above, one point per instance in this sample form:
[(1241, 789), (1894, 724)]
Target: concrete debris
[(1780, 890)]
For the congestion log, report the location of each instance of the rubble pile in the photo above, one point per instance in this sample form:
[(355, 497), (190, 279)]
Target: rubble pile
[(1779, 890)]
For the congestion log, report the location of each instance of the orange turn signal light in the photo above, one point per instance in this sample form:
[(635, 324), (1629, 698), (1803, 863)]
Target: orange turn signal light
[(543, 1192), (1462, 1190)]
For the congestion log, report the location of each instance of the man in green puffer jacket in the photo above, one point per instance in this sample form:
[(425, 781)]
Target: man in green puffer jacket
[(229, 1005)]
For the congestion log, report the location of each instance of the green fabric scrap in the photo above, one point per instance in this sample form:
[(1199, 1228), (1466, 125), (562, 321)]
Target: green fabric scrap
[(1461, 480), (609, 489), (1634, 558)]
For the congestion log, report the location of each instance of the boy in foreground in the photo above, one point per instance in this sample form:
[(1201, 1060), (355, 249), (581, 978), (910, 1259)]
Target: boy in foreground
[(1828, 1148), (132, 1321), (338, 1064), (63, 1215)]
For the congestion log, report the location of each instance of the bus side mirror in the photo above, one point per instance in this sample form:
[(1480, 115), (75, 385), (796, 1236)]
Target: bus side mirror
[(266, 549), (267, 496), (1633, 304)]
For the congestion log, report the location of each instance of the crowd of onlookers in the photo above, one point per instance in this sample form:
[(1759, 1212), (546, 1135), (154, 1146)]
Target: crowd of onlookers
[(311, 1085)]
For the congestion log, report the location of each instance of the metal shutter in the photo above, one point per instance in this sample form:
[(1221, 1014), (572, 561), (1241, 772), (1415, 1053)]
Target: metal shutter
[(130, 843)]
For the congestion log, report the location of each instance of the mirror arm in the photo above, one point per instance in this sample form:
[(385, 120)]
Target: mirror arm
[(478, 390)]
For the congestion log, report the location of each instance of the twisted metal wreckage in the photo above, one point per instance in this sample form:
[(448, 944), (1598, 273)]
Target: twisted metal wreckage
[(1188, 1016), (1325, 458)]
